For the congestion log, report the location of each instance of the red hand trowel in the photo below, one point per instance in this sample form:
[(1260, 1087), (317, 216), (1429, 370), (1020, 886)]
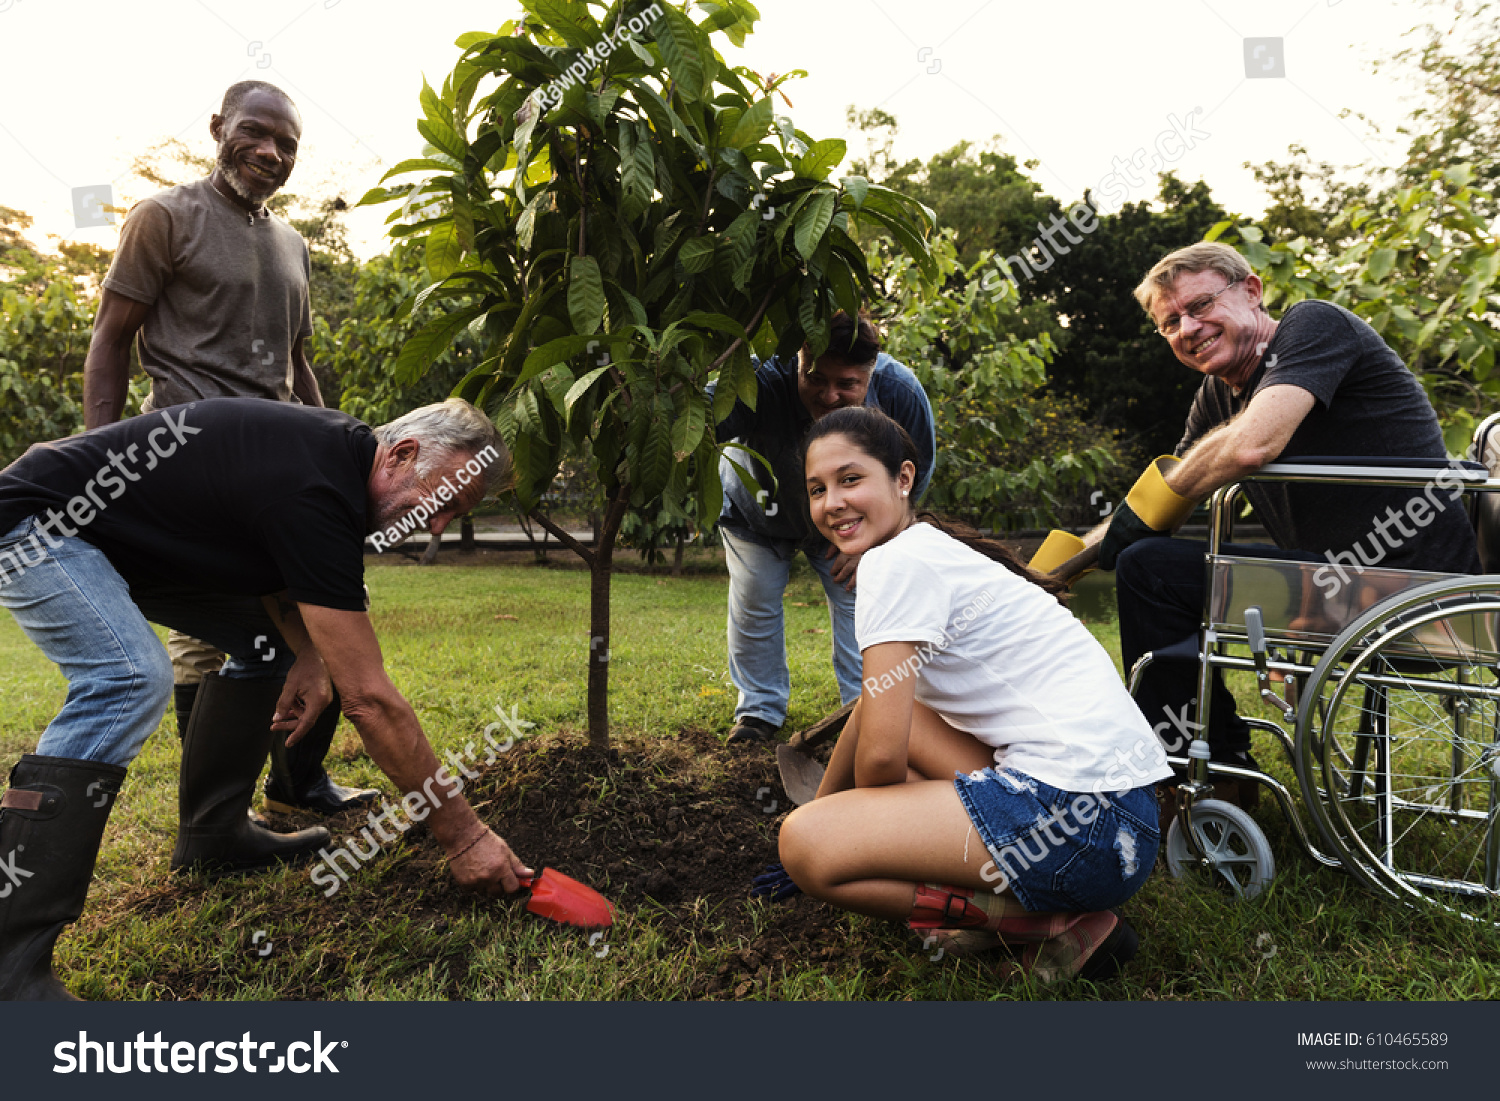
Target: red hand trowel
[(562, 898)]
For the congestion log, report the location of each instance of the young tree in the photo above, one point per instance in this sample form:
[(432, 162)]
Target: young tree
[(619, 222)]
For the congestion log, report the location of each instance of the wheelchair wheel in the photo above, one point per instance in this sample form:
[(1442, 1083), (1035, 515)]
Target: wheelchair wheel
[(1237, 852), (1398, 746)]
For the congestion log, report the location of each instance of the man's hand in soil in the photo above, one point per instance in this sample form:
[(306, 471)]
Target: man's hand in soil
[(774, 885), (844, 567), (486, 864)]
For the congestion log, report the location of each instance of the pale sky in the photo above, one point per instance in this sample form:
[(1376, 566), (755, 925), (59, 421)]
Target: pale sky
[(1082, 88)]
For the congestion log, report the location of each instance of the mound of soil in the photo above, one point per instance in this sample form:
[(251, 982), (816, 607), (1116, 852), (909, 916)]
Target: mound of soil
[(678, 828)]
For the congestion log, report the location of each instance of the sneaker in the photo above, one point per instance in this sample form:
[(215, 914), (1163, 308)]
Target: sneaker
[(749, 730)]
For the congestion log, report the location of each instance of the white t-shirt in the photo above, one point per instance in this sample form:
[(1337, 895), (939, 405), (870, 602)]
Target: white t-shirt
[(999, 658)]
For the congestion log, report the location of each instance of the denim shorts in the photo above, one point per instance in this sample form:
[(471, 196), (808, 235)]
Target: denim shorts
[(1061, 851)]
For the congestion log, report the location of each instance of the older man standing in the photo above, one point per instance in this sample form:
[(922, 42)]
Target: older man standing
[(763, 532), (1317, 382), (93, 543), (213, 289)]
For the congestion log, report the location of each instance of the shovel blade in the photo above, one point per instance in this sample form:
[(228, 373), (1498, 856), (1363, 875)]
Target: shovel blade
[(800, 774), (562, 898)]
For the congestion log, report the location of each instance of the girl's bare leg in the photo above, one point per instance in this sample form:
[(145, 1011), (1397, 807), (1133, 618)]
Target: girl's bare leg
[(866, 849)]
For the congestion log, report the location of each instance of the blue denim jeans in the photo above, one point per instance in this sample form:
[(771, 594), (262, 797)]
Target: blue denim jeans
[(1061, 851), (83, 615), (758, 575)]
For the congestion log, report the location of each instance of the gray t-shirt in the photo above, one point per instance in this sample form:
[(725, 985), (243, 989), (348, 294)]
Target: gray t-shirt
[(1367, 404), (228, 294)]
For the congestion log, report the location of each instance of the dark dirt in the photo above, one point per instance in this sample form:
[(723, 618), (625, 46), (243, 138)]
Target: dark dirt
[(678, 830)]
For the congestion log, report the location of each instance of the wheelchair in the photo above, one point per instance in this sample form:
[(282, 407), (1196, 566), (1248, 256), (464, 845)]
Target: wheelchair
[(1390, 703)]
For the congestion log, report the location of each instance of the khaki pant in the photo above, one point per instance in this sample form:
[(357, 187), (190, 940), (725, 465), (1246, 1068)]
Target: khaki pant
[(192, 659)]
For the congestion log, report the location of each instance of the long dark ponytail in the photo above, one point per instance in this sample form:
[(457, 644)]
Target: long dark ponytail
[(885, 441)]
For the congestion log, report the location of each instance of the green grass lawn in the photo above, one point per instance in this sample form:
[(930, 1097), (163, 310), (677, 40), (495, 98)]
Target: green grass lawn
[(460, 641)]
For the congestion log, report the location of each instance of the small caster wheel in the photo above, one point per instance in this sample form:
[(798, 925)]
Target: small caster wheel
[(1237, 851)]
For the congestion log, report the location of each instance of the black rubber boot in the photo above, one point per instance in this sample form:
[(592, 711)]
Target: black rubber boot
[(183, 698), (222, 755), (304, 785), (52, 819)]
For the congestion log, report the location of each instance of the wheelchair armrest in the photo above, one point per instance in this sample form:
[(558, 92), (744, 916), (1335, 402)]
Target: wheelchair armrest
[(1371, 470)]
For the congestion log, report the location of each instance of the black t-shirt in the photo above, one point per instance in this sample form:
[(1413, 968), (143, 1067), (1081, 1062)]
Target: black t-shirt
[(1367, 404), (231, 495)]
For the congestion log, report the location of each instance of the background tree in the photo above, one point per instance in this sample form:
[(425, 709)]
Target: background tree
[(1111, 358), (619, 222), (1008, 456), (1422, 270)]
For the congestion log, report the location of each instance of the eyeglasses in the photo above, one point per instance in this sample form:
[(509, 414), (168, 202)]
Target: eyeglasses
[(1197, 309)]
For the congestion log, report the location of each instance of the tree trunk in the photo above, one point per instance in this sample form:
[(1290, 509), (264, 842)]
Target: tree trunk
[(429, 556), (677, 555), (599, 582), (466, 533)]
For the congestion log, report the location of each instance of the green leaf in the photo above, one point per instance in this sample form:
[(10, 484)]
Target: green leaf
[(710, 488), (753, 125), (581, 387), (678, 39), (812, 223), (429, 342), (821, 158), (1382, 261), (687, 429), (443, 136), (654, 465), (697, 254), (856, 187), (586, 295), (423, 164), (444, 250), (554, 352), (1218, 230)]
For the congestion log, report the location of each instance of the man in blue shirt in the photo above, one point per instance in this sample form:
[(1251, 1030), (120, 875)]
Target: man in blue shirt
[(763, 531)]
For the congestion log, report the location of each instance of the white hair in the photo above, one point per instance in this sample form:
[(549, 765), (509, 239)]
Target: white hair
[(446, 430)]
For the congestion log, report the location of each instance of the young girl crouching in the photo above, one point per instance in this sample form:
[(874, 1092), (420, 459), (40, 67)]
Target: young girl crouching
[(972, 669)]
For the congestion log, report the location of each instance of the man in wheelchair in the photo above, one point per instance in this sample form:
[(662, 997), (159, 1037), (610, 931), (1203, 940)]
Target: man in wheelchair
[(1318, 382)]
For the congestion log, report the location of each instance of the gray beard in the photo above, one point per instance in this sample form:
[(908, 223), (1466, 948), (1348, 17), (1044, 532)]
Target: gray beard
[(237, 182)]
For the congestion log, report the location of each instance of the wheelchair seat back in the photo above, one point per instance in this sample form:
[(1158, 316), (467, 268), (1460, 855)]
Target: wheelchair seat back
[(1486, 450)]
